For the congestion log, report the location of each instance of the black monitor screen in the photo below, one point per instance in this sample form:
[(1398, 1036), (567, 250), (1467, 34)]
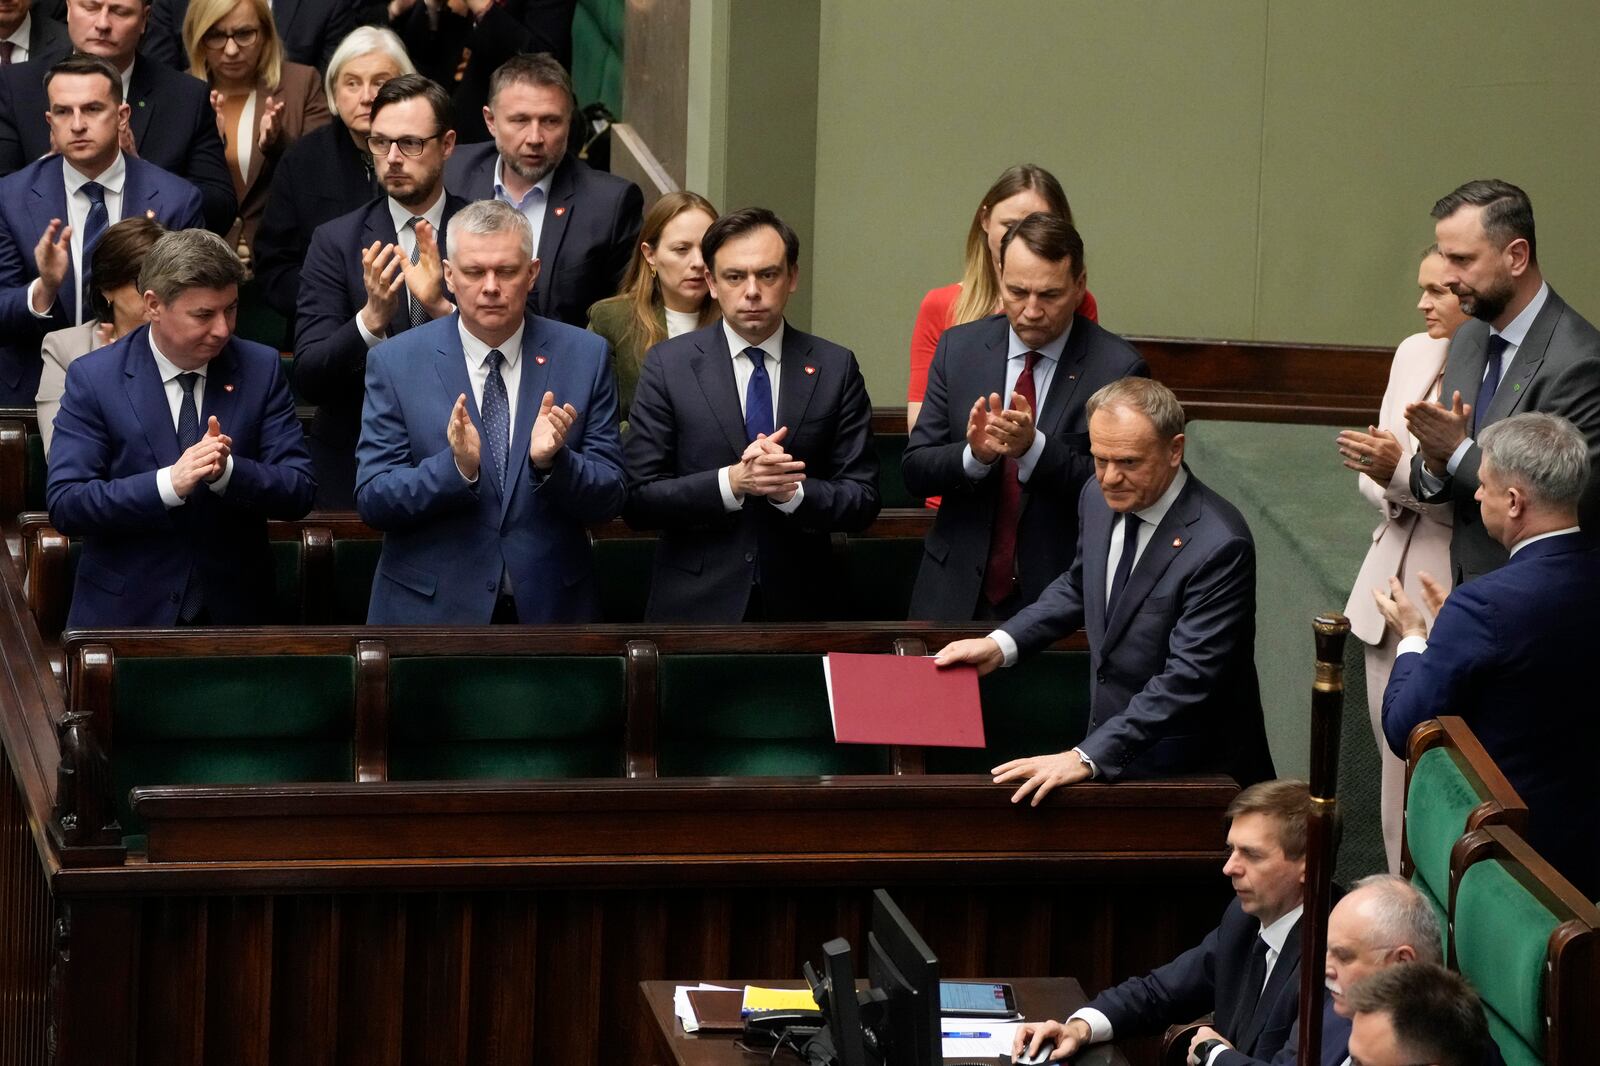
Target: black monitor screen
[(901, 965)]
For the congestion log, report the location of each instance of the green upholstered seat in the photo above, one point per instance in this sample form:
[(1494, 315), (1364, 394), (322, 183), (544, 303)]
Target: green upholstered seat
[(879, 574), (751, 716), (1502, 933), (496, 718), (231, 720), (622, 571), (355, 564), (597, 47), (288, 560), (1439, 800), (1038, 706), (892, 491), (37, 474)]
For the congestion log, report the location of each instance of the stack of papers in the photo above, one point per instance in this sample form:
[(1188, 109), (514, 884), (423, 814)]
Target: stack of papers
[(976, 1038), (758, 998)]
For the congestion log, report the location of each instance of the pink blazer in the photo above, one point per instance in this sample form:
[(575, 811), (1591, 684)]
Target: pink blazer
[(1413, 536)]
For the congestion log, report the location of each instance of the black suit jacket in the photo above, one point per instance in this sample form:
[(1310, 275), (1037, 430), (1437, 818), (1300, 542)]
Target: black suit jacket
[(591, 224), (1557, 371), (310, 30), (46, 35), (323, 175), (173, 127), (971, 362), (330, 357), (686, 423), (1210, 978)]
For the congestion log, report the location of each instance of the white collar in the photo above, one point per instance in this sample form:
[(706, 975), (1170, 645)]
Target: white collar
[(166, 367), (127, 79), (1052, 351), (1519, 545), (19, 36), (111, 178), (1516, 330), (477, 351), (543, 184), (772, 346), (1278, 932), (1158, 510), (402, 215)]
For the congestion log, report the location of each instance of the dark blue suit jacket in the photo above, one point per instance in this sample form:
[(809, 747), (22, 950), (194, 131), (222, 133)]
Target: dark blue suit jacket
[(330, 358), (172, 121), (115, 430), (1174, 688), (1509, 653), (1210, 978), (971, 362), (686, 423), (29, 199), (591, 224), (447, 541), (1335, 1042)]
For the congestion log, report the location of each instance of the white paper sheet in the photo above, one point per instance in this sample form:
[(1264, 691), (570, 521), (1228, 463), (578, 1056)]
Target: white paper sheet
[(996, 1038), (682, 1008)]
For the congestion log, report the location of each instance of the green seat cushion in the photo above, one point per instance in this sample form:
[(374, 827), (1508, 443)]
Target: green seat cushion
[(355, 564), (1038, 706), (488, 718), (892, 491), (231, 720), (751, 716), (37, 474), (622, 571), (287, 563), (1438, 801), (879, 574), (1502, 934)]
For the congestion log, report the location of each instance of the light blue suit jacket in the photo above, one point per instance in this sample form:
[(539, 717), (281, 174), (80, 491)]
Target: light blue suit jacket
[(447, 541)]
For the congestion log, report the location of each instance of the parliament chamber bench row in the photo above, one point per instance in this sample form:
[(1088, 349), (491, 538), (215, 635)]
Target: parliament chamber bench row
[(1524, 936), (376, 704)]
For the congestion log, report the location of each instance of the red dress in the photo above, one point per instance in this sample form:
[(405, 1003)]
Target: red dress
[(933, 318)]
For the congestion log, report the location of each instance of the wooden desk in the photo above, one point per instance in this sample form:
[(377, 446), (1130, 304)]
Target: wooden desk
[(1038, 998)]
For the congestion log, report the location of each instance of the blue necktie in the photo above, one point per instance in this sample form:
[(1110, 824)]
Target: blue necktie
[(188, 436), (93, 226), (496, 418), (1130, 548), (757, 396), (1491, 380)]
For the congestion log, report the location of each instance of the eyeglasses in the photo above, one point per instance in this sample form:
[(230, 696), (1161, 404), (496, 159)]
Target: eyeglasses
[(217, 40), (378, 144)]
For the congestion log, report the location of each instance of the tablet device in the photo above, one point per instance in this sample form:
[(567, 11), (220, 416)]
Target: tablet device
[(977, 999)]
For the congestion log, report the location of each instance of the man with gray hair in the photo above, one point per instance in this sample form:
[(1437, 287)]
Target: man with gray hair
[(1508, 651), (488, 444), (173, 446)]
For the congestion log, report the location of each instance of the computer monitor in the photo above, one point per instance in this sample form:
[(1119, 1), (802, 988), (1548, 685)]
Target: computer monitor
[(901, 966), (842, 1042)]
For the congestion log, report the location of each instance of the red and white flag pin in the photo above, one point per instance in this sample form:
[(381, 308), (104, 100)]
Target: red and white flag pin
[(810, 369), (1177, 542), (539, 359), (227, 388), (560, 211)]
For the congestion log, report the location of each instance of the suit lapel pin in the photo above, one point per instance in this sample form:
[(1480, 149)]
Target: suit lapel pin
[(810, 369), (1516, 386), (1072, 377), (539, 359), (228, 387), (560, 211), (1177, 542)]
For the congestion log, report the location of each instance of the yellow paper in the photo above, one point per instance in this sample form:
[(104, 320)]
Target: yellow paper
[(757, 998)]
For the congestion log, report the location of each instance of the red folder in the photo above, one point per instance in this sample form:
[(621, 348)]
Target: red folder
[(902, 699)]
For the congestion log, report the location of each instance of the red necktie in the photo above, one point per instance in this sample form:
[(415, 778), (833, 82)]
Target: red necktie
[(1000, 575)]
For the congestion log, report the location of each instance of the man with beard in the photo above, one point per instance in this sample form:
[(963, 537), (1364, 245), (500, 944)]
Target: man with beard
[(585, 222), (373, 273), (1526, 350)]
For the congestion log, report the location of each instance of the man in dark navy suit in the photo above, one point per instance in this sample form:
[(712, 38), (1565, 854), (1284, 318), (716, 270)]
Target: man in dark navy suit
[(53, 211), (585, 222), (170, 120), (1507, 651), (372, 274), (1164, 586), (29, 32), (1003, 435), (749, 443), (1246, 973), (173, 447)]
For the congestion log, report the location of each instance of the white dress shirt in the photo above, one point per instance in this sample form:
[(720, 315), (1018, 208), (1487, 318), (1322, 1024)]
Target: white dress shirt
[(406, 238), (476, 353), (743, 369), (111, 179), (532, 204), (1044, 372), (169, 372), (19, 39)]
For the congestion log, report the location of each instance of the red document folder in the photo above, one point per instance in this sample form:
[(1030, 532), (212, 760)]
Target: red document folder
[(902, 699)]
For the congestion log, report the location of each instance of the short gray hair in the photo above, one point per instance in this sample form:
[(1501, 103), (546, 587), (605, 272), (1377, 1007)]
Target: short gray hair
[(1147, 396), (488, 216), (361, 41), (1400, 915), (1543, 454), (189, 259)]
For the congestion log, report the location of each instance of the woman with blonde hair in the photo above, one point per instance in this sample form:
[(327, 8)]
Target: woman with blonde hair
[(263, 102), (664, 291), (1016, 194)]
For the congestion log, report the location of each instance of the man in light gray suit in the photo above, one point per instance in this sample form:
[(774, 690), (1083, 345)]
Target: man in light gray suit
[(1526, 350)]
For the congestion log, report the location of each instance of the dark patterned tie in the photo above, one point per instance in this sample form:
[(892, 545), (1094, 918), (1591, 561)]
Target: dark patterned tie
[(415, 312), (496, 418), (1491, 380), (1130, 548), (6, 50), (1000, 573), (188, 435), (93, 226), (1255, 978), (757, 396)]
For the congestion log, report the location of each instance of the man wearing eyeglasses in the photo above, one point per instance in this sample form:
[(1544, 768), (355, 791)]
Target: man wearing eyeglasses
[(373, 273)]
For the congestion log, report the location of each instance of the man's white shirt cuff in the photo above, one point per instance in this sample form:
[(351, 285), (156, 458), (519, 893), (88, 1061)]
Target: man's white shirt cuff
[(220, 485), (1410, 644), (1456, 456), (730, 502), (975, 470), (32, 287), (1008, 647), (169, 496), (1030, 458), (372, 339), (1099, 1024), (794, 501)]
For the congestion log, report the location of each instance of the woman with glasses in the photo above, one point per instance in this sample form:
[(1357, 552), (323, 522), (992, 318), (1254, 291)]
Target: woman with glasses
[(263, 102)]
